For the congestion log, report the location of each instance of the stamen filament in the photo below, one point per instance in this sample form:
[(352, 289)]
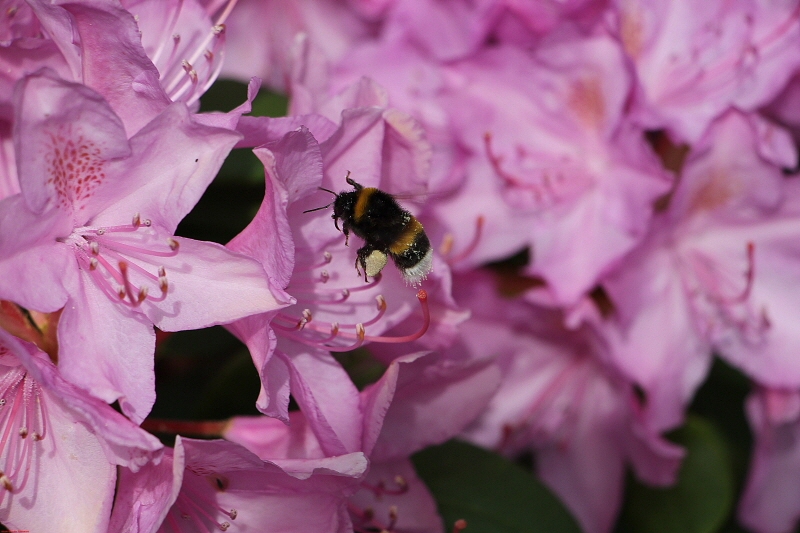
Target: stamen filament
[(139, 251), (472, 245), (326, 259)]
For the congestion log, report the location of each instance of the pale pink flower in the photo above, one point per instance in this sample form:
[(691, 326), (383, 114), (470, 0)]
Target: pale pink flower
[(565, 172), (59, 447), (693, 62), (214, 485), (769, 503), (92, 232), (715, 272), (561, 400), (419, 401), (335, 309)]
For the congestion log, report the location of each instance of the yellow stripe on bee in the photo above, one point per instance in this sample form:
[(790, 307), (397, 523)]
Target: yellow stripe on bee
[(412, 229), (361, 202)]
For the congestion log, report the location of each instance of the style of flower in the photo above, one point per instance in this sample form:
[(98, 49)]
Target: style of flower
[(59, 446), (215, 485), (92, 233)]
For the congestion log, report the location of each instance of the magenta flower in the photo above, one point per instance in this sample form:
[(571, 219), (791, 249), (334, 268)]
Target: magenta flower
[(561, 400), (59, 446), (215, 485), (92, 232)]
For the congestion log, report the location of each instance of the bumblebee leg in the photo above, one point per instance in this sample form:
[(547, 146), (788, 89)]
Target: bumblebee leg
[(372, 261), (361, 259)]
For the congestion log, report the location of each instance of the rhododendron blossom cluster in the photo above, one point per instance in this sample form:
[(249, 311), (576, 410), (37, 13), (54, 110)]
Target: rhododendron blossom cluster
[(609, 187)]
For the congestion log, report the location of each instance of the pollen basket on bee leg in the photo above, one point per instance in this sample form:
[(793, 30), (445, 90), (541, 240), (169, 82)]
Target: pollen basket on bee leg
[(374, 263)]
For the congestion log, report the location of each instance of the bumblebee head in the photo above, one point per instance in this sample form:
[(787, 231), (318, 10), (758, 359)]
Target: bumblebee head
[(343, 206)]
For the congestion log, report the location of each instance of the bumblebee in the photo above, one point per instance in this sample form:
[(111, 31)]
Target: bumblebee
[(387, 229)]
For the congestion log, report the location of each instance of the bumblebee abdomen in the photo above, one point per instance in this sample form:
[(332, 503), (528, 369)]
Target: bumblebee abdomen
[(409, 240), (412, 252)]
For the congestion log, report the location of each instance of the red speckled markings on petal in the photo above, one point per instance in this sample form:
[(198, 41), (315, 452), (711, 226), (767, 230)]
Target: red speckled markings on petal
[(75, 166)]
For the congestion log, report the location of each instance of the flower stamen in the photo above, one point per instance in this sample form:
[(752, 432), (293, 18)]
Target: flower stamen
[(23, 414), (119, 250), (447, 244)]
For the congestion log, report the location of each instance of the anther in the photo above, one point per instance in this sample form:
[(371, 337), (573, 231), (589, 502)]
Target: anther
[(4, 479), (142, 294), (136, 220), (94, 248), (209, 55), (324, 276), (23, 432), (189, 69), (447, 245), (162, 280), (218, 29), (173, 244), (224, 526), (92, 263), (307, 315), (392, 517)]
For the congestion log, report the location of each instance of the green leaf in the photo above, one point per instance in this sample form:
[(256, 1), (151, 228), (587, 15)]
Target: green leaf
[(701, 499), (492, 494)]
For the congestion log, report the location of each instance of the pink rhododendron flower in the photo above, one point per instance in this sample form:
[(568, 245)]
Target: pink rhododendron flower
[(693, 62), (712, 271), (185, 40), (565, 172), (113, 51), (768, 503), (420, 400), (268, 49), (92, 232), (335, 310), (59, 446), (216, 485), (561, 400)]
